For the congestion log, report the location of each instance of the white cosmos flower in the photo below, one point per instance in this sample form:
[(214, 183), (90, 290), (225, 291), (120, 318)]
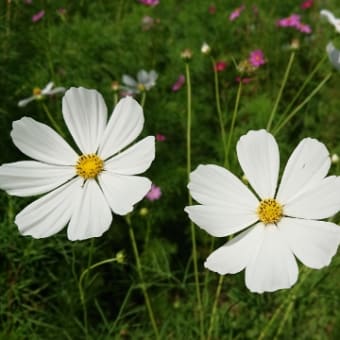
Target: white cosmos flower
[(82, 188), (333, 55), (145, 81), (331, 19), (278, 223), (38, 93)]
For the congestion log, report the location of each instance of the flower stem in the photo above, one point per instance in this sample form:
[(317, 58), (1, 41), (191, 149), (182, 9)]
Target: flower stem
[(213, 312), (233, 120), (52, 120), (283, 84), (81, 290), (141, 278), (192, 227), (219, 111), (142, 101), (300, 106)]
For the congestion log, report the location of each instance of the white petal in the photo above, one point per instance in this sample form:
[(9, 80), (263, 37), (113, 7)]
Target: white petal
[(307, 165), (122, 192), (57, 90), (258, 155), (234, 256), (274, 266), (28, 178), (221, 220), (39, 141), (50, 213), (215, 186), (91, 216), (85, 115), (321, 201), (47, 88), (134, 160), (125, 124), (129, 81), (142, 77), (314, 243), (25, 101)]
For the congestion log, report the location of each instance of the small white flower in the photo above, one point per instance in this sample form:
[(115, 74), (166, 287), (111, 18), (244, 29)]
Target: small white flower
[(145, 81), (205, 49), (281, 222), (82, 188), (331, 19), (38, 93), (333, 55)]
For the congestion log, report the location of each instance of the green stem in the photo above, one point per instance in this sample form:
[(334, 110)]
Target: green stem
[(305, 83), (214, 309), (115, 98), (299, 107), (285, 317), (141, 278), (142, 101), (192, 227), (52, 120), (233, 120), (283, 84), (81, 290), (219, 111)]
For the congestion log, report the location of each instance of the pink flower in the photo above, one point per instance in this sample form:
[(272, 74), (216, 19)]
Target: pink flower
[(179, 83), (307, 4), (236, 13), (291, 21), (304, 28), (154, 194), (243, 80), (149, 2), (38, 16), (160, 137), (256, 58), (220, 66)]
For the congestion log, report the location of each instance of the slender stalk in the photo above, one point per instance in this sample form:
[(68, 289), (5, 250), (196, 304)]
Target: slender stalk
[(52, 120), (285, 317), (115, 98), (141, 278), (213, 311), (219, 111), (283, 84), (81, 290), (233, 120), (142, 101), (192, 227), (305, 83), (300, 106)]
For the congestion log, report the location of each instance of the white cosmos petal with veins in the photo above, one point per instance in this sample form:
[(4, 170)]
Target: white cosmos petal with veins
[(82, 189), (282, 224)]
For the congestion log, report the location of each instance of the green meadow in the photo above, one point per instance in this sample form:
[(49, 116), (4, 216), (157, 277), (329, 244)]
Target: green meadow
[(145, 278)]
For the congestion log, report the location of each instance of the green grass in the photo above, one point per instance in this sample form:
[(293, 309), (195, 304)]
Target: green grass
[(92, 46)]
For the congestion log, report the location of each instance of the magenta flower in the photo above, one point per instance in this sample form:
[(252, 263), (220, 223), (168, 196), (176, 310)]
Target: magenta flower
[(38, 16), (149, 2), (307, 4), (291, 21), (179, 83), (256, 58), (154, 194), (220, 66), (304, 28), (236, 13), (160, 137), (245, 80)]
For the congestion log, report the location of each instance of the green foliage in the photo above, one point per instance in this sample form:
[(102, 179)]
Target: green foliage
[(93, 44)]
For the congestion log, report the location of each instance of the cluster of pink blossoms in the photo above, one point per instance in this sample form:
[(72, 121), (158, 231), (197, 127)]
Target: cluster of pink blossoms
[(294, 21)]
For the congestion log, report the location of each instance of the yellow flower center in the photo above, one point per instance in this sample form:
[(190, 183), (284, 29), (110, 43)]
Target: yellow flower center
[(141, 87), (269, 211), (89, 166), (37, 91)]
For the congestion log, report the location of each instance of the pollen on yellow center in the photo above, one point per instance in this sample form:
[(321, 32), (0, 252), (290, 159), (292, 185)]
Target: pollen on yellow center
[(141, 87), (269, 211), (37, 91), (89, 166)]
